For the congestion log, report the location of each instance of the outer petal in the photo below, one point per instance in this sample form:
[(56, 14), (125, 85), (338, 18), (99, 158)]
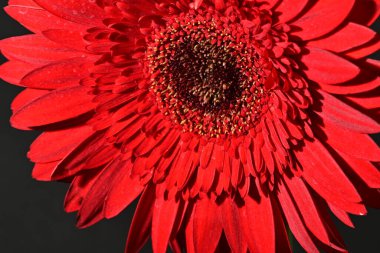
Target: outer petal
[(35, 49), (81, 12), (307, 207), (231, 226), (92, 207), (365, 12), (14, 71), (164, 216), (365, 50), (357, 145), (57, 75), (323, 66), (343, 115), (53, 146), (26, 97), (294, 221), (350, 36), (289, 9), (207, 226), (54, 107), (258, 224), (37, 19), (122, 193), (78, 190), (328, 180), (67, 38), (142, 221), (322, 18)]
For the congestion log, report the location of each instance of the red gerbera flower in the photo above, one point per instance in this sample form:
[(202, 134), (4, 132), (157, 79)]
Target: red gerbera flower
[(232, 118)]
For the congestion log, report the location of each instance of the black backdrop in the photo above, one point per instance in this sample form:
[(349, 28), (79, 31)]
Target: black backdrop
[(31, 213)]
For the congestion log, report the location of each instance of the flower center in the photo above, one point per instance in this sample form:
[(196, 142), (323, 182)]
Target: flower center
[(206, 73)]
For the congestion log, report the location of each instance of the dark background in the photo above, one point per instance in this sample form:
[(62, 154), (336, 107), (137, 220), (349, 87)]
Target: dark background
[(31, 213)]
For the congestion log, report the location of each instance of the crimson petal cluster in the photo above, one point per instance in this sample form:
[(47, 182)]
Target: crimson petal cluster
[(233, 120)]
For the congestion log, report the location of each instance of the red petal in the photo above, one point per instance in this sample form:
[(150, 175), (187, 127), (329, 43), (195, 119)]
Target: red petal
[(343, 115), (81, 12), (350, 36), (307, 208), (295, 223), (29, 3), (258, 224), (140, 228), (92, 206), (366, 102), (323, 66), (354, 144), (55, 145), (351, 87), (328, 180), (364, 169), (43, 171), (362, 51), (79, 189), (54, 107), (342, 215), (164, 215), (232, 226), (121, 194), (67, 38), (37, 19), (57, 75), (322, 18), (207, 226), (14, 71), (26, 97), (365, 12), (282, 239), (289, 9), (189, 234), (35, 49), (75, 161)]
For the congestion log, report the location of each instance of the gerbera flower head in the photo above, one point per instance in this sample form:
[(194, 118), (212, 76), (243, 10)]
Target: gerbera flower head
[(233, 119)]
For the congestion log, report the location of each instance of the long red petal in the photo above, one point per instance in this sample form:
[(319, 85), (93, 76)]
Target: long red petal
[(365, 12), (37, 19), (322, 18), (14, 71), (324, 175), (358, 145), (343, 115), (26, 97), (92, 206), (350, 36), (35, 49), (55, 106), (258, 224), (57, 75), (78, 190), (53, 146), (140, 228), (121, 194), (294, 221), (289, 9), (207, 226), (307, 207), (164, 216), (86, 12), (323, 66), (232, 226)]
